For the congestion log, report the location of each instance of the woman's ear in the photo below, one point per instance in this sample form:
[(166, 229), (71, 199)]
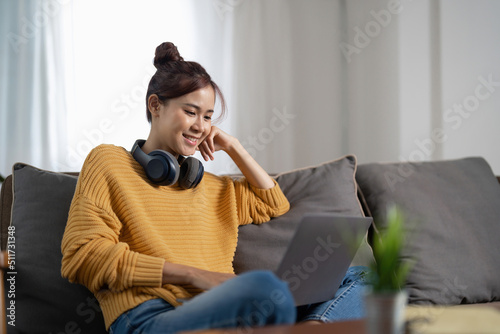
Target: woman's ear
[(153, 104)]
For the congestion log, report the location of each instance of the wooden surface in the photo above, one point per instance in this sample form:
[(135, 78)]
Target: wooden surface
[(348, 327), (420, 319)]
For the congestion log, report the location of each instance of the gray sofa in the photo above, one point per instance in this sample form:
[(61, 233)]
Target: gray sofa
[(452, 210)]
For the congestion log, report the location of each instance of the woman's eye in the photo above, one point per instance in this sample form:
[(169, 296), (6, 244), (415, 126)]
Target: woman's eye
[(208, 118), (190, 113)]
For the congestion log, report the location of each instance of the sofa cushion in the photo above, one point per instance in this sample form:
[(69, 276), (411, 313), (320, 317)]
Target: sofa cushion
[(328, 187), (40, 209), (453, 218), (44, 301)]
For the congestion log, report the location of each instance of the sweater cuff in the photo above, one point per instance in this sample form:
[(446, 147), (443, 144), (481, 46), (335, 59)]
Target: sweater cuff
[(148, 271), (274, 197)]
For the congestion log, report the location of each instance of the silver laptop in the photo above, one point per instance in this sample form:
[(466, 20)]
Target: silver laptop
[(320, 254)]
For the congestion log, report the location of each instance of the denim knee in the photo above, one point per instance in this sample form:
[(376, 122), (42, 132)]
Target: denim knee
[(361, 274), (269, 296)]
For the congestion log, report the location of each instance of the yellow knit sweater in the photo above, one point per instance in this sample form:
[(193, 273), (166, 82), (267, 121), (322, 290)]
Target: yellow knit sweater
[(122, 228)]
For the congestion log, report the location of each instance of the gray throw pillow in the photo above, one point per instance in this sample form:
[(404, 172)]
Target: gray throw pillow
[(328, 187), (44, 301), (453, 218)]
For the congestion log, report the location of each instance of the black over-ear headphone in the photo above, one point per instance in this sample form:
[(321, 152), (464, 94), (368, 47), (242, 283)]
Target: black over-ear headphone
[(163, 168)]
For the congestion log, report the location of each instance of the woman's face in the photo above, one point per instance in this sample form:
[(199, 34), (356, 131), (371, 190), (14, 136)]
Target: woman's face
[(182, 123)]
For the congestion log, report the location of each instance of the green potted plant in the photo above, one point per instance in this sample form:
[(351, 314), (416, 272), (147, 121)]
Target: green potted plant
[(386, 300), (1, 179)]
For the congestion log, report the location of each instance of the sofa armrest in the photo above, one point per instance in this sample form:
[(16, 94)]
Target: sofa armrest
[(6, 197)]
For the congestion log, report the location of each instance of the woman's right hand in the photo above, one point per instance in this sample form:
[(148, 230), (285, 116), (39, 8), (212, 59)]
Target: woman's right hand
[(203, 279), (207, 280)]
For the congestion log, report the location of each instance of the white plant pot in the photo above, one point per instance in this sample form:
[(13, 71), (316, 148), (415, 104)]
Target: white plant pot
[(385, 312)]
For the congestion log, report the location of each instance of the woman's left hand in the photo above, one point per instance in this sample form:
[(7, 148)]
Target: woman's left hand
[(219, 140), (215, 141)]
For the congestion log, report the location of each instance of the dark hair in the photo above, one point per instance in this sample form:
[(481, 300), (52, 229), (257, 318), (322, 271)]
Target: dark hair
[(175, 77)]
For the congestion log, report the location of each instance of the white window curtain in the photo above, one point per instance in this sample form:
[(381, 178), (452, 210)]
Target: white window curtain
[(280, 62), (305, 81), (383, 79), (34, 89)]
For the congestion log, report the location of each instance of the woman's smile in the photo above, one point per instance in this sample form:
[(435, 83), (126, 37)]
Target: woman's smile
[(191, 140)]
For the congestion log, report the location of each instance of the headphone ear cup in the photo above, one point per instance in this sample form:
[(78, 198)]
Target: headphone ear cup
[(162, 168), (191, 173)]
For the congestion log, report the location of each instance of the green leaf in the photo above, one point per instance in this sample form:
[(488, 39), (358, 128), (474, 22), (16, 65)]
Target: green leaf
[(389, 270)]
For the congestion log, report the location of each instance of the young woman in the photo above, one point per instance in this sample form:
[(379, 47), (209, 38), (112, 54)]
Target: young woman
[(155, 242)]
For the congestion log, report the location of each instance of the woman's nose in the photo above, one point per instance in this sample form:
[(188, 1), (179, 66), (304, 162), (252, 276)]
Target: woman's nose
[(198, 124)]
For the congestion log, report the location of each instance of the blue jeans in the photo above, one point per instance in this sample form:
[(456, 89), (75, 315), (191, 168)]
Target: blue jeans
[(347, 304), (255, 298)]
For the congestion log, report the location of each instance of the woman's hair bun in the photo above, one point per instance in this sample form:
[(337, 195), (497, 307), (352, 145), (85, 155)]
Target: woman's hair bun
[(165, 53)]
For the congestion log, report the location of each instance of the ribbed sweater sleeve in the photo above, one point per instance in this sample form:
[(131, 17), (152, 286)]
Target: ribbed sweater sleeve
[(257, 205), (93, 256), (92, 252)]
